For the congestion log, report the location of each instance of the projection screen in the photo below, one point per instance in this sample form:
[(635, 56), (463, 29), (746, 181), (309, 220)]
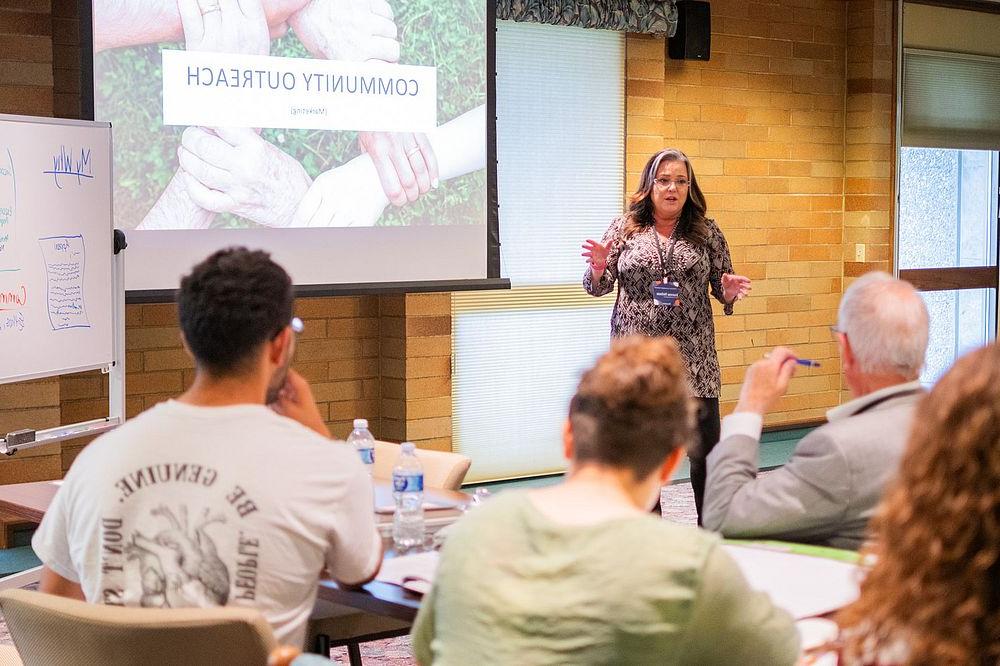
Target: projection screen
[(353, 139)]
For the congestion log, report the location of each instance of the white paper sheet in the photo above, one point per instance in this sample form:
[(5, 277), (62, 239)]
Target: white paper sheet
[(419, 567), (816, 632), (804, 586)]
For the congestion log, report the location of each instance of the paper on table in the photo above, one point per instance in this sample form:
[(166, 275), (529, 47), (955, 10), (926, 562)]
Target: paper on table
[(405, 569), (804, 586), (816, 632)]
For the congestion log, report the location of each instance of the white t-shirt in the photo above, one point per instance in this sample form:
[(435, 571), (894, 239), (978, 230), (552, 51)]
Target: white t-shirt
[(188, 506)]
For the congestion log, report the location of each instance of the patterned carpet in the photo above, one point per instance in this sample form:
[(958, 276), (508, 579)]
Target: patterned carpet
[(677, 503)]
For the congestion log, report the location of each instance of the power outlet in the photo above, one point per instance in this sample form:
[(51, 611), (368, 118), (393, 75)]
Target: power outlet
[(859, 252)]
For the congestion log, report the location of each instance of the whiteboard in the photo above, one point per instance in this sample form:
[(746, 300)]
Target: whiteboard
[(57, 280)]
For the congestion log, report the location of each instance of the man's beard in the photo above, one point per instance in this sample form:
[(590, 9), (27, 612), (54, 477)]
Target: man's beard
[(277, 383)]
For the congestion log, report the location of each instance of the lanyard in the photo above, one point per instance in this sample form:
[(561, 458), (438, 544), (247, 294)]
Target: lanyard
[(664, 263), (885, 398)]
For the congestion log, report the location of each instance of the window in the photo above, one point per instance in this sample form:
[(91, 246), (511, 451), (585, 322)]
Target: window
[(961, 320), (947, 208), (947, 240), (518, 354), (946, 229)]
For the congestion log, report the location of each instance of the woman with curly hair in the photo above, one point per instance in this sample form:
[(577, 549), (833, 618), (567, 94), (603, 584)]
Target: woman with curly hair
[(933, 594)]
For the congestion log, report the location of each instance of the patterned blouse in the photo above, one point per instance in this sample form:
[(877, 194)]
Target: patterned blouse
[(635, 265)]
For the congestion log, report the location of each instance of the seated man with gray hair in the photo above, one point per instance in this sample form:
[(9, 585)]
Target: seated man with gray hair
[(830, 487)]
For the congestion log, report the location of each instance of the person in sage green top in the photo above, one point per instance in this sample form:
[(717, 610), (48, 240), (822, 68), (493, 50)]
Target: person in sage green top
[(580, 573)]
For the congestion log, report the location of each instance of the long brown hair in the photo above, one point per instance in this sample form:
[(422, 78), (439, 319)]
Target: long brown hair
[(935, 584), (692, 225)]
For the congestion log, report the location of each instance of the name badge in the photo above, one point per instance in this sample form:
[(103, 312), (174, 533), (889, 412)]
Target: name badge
[(667, 294)]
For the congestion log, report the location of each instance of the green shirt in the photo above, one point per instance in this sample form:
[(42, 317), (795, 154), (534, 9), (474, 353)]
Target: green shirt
[(513, 587)]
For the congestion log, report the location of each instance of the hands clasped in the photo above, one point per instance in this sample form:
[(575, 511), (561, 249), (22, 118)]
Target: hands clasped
[(405, 162), (357, 30), (348, 196), (233, 170), (225, 26)]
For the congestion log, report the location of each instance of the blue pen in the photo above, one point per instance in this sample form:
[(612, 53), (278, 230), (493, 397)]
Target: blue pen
[(807, 362)]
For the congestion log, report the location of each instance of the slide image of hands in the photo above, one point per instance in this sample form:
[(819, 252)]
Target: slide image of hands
[(199, 177)]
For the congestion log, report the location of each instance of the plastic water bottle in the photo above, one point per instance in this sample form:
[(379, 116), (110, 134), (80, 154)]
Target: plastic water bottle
[(364, 443), (481, 495), (408, 490)]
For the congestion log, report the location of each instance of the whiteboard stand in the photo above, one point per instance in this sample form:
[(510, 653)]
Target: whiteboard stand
[(62, 266), (27, 439)]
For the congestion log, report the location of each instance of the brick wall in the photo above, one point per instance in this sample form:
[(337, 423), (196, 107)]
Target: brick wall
[(870, 138), (387, 359), (337, 351), (416, 369), (26, 57), (26, 75), (789, 135)]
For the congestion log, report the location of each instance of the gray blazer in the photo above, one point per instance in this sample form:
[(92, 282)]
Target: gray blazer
[(825, 494)]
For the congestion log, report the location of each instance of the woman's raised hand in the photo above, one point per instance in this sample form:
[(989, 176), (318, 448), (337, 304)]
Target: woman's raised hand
[(596, 254), (734, 287)]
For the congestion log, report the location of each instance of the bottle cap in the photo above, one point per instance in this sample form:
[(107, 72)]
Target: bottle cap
[(409, 447), (361, 423)]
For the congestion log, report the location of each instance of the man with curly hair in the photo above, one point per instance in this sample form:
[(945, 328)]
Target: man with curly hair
[(231, 494), (828, 490)]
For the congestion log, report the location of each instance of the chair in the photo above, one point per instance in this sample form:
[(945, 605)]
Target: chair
[(55, 631), (442, 469)]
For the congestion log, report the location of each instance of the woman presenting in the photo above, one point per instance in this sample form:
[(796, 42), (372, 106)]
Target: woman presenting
[(666, 256)]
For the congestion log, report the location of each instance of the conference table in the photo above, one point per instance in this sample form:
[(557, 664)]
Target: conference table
[(442, 507), (785, 570), (30, 501)]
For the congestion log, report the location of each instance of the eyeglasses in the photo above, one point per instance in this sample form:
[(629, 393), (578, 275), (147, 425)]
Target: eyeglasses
[(295, 324), (836, 330), (665, 183)]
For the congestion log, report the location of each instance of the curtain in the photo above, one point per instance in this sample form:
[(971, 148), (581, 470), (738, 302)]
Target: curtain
[(950, 100), (656, 17), (518, 353)]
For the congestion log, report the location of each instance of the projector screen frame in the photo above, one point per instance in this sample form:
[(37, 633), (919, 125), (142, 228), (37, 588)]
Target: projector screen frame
[(139, 296), (493, 279)]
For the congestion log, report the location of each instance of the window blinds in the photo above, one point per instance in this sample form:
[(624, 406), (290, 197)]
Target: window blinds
[(560, 147), (951, 100)]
